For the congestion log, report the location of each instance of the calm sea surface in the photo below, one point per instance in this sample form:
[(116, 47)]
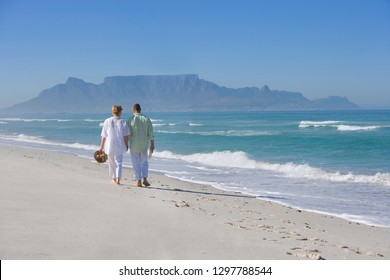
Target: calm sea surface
[(334, 162)]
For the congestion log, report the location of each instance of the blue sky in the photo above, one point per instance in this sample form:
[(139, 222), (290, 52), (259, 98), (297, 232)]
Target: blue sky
[(317, 47)]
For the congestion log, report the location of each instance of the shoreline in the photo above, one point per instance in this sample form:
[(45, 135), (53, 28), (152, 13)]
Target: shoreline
[(61, 206)]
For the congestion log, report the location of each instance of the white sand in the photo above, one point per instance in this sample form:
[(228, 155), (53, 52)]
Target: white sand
[(60, 206)]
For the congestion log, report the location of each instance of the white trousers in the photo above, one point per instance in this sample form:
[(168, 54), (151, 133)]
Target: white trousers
[(115, 166), (140, 165)]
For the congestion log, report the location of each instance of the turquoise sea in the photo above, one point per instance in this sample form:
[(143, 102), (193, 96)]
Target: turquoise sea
[(333, 162)]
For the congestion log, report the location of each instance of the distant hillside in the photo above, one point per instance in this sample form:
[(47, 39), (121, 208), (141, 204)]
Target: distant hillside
[(168, 93)]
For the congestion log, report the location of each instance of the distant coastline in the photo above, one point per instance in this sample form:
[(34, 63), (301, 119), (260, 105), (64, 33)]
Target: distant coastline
[(169, 93)]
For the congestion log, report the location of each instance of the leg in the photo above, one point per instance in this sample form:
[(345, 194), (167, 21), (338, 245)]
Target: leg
[(145, 168), (118, 171), (112, 168), (136, 162)]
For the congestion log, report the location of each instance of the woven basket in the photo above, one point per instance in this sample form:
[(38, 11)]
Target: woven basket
[(100, 156)]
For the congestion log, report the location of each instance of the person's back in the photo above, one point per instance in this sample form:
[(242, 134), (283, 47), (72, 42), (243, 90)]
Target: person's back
[(141, 132), (114, 141)]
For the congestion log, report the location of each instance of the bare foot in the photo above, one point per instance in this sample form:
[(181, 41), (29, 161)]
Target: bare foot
[(116, 181), (137, 183), (146, 183)]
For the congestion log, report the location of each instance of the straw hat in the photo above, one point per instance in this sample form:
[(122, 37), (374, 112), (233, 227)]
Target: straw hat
[(100, 156)]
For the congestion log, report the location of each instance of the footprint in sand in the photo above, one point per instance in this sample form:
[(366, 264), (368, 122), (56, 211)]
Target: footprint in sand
[(181, 204), (313, 254), (360, 252), (237, 226)]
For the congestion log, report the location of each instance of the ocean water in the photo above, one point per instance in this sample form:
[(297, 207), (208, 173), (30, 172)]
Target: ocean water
[(333, 162)]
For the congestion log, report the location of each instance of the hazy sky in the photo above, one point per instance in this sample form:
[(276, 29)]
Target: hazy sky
[(317, 47)]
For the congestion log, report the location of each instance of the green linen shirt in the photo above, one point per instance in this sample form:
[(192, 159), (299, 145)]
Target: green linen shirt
[(141, 131)]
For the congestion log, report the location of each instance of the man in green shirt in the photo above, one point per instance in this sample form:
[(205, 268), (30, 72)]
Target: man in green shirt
[(141, 132)]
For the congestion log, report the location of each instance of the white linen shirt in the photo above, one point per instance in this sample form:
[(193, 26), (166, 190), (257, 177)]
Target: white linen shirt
[(114, 129)]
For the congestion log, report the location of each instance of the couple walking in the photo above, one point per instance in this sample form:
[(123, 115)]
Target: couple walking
[(117, 134)]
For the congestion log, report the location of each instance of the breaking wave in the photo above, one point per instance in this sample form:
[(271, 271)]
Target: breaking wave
[(339, 125), (228, 159), (26, 139)]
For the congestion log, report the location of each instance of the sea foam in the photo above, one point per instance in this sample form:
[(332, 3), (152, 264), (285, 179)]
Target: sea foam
[(26, 139), (339, 125), (239, 159)]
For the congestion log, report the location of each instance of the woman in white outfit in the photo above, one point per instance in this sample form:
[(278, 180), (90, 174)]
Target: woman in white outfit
[(114, 143)]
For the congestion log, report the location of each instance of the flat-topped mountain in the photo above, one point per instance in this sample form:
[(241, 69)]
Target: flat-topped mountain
[(168, 93)]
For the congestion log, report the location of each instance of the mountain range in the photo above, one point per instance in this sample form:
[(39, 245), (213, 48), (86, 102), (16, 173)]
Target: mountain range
[(169, 93)]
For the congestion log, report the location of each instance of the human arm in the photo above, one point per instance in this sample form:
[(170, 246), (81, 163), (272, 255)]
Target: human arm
[(151, 136), (104, 136), (103, 141), (151, 148), (126, 139)]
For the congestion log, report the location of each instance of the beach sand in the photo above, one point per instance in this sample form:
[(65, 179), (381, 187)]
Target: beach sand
[(60, 206)]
